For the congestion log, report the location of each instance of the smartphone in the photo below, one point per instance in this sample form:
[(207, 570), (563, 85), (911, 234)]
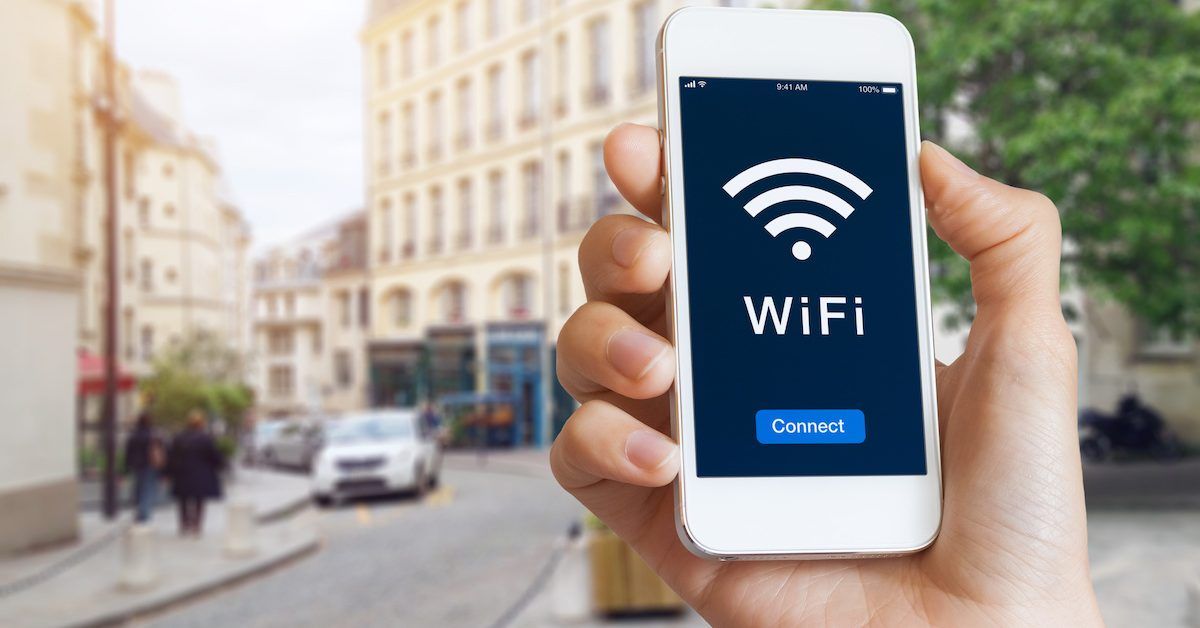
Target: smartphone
[(799, 300)]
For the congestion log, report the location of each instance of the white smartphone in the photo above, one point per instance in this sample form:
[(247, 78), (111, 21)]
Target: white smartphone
[(804, 402)]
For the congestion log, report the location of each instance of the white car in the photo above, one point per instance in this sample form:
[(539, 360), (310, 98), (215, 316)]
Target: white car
[(377, 452)]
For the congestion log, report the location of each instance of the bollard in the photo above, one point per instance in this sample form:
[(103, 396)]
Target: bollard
[(1192, 618), (239, 529), (139, 570)]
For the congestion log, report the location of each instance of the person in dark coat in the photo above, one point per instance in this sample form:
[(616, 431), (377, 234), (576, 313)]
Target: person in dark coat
[(195, 464), (145, 456)]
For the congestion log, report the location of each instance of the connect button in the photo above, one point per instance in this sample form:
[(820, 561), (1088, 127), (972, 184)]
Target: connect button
[(810, 427)]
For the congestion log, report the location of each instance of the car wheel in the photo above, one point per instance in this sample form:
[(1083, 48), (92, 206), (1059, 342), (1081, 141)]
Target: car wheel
[(420, 482), (324, 501)]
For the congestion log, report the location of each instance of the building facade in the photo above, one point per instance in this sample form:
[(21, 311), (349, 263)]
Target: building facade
[(311, 310), (39, 267), (484, 147)]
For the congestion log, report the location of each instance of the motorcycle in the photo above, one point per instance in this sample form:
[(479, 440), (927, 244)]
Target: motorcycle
[(1135, 429)]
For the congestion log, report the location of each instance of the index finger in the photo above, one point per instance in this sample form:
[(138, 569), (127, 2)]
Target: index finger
[(633, 158)]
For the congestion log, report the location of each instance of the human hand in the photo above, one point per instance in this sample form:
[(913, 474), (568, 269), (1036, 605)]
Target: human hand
[(1013, 544)]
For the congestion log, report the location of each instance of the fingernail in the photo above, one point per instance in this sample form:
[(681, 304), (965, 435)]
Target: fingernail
[(951, 160), (648, 449), (628, 244), (634, 353)]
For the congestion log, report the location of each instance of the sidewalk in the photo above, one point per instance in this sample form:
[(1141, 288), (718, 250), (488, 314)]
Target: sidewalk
[(526, 461), (80, 585)]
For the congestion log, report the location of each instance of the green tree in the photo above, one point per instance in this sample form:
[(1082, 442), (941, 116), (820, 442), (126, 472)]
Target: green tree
[(200, 373), (1095, 103)]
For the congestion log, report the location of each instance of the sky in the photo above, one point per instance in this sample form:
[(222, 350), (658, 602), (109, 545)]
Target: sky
[(277, 83)]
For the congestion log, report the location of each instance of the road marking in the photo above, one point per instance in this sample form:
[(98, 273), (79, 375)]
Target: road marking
[(443, 496), (364, 515)]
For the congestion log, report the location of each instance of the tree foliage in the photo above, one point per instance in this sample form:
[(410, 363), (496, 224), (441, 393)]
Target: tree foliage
[(199, 373), (1095, 103)]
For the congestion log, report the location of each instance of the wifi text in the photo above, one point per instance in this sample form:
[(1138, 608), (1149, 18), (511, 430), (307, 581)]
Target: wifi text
[(829, 309)]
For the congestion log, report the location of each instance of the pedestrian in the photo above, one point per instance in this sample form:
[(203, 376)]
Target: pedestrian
[(195, 463), (145, 456)]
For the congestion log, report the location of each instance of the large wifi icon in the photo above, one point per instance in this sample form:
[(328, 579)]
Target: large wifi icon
[(798, 220)]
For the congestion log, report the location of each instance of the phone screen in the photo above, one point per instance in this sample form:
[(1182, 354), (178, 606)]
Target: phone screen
[(803, 309)]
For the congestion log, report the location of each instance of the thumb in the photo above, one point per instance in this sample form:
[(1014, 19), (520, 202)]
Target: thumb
[(1012, 237)]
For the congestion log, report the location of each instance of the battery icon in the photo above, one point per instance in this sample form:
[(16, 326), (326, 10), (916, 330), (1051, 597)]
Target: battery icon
[(889, 90)]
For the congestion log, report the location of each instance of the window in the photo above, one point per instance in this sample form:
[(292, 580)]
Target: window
[(147, 343), (494, 15), (529, 10), (364, 307), (408, 55), (452, 302), (602, 189), (168, 170), (383, 66), (344, 307), (564, 289), (466, 215), (129, 256), (385, 230), (531, 184), (129, 168), (410, 135), (645, 20), (599, 69), (496, 209), (1158, 343), (280, 381), (147, 275), (127, 333), (495, 82), (272, 305), (437, 221), (289, 304), (436, 130), (385, 143), (531, 88), (401, 306), (410, 226), (144, 212), (462, 23), (562, 73), (563, 205), (465, 117), (316, 341), (169, 210), (281, 342), (517, 295), (434, 40), (343, 369)]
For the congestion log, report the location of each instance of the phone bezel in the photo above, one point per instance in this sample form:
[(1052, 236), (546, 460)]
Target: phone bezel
[(739, 518)]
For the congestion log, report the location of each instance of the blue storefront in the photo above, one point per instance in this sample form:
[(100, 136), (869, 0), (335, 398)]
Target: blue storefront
[(514, 370)]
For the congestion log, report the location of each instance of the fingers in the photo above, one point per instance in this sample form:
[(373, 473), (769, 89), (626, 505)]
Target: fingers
[(633, 157), (1012, 237), (625, 260), (601, 442), (601, 348)]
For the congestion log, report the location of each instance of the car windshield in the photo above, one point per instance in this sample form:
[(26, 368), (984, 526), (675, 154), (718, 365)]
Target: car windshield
[(360, 430)]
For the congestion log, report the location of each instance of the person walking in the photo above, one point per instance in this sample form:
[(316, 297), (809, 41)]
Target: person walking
[(145, 456), (195, 463)]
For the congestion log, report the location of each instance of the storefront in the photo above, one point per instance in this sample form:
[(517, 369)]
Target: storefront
[(514, 369), (450, 362), (395, 368)]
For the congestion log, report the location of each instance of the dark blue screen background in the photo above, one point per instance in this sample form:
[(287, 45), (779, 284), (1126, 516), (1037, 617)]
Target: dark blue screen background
[(728, 126)]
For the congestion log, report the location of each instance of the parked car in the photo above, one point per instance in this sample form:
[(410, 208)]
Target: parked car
[(295, 444), (257, 440), (377, 452)]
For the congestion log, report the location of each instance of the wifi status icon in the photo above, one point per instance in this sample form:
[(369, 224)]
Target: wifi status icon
[(801, 250)]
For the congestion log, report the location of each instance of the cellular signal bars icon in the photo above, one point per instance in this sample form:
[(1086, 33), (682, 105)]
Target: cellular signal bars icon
[(690, 84)]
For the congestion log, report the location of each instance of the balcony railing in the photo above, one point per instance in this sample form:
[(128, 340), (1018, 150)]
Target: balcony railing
[(462, 240), (528, 119), (529, 227), (462, 141), (607, 202), (385, 255), (641, 83), (560, 105), (573, 215), (596, 95), (436, 246), (495, 129), (495, 234), (434, 151), (408, 250), (408, 160)]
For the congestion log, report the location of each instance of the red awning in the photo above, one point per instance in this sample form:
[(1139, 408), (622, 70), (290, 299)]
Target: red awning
[(91, 375)]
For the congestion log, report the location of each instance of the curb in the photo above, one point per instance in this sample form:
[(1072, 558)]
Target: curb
[(171, 596)]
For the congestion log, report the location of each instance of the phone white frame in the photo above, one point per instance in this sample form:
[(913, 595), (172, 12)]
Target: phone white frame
[(745, 517)]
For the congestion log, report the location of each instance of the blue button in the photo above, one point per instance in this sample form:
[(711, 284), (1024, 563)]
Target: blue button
[(810, 427)]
